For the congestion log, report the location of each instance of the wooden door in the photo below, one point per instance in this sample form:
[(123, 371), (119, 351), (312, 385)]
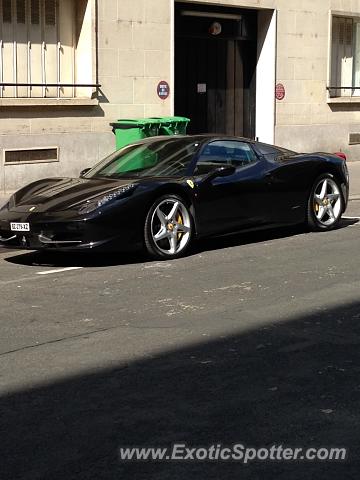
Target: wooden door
[(211, 85)]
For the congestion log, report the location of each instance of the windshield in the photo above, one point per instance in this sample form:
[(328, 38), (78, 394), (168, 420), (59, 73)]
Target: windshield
[(160, 158)]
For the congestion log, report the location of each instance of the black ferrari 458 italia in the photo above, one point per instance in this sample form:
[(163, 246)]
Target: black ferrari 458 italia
[(164, 192)]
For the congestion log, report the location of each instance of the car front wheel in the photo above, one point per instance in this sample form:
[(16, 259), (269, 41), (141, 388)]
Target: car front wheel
[(325, 205), (168, 228)]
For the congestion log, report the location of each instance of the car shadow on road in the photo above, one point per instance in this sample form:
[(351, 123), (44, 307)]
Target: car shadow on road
[(97, 259), (245, 238), (85, 260), (292, 383)]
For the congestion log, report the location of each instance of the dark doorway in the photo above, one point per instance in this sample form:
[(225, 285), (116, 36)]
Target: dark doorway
[(215, 65)]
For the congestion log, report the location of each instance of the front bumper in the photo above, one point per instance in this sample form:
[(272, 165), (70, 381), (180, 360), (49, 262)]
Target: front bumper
[(66, 231)]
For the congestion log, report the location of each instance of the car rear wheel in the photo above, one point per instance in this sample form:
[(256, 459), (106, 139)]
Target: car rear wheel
[(325, 205), (168, 228)]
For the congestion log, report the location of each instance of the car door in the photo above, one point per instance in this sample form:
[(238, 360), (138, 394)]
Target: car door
[(288, 180), (237, 201)]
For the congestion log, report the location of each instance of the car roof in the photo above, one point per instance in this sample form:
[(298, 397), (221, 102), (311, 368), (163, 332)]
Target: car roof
[(199, 137)]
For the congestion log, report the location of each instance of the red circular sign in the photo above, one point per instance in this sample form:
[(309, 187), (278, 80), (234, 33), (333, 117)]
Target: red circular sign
[(163, 90), (280, 91)]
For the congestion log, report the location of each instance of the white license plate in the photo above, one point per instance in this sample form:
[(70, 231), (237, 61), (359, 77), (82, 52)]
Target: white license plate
[(20, 227)]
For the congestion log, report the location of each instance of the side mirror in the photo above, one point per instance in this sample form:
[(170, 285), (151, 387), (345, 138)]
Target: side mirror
[(84, 172), (221, 172)]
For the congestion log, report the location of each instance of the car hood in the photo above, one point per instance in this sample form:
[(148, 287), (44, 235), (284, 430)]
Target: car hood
[(56, 194)]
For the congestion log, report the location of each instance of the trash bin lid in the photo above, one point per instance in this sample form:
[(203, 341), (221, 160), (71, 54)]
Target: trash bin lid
[(138, 122), (171, 120)]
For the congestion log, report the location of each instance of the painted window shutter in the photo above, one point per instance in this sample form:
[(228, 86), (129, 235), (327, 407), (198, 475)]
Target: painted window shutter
[(342, 58), (37, 47)]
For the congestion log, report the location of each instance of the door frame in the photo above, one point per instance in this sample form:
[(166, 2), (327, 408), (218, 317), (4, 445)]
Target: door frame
[(265, 126)]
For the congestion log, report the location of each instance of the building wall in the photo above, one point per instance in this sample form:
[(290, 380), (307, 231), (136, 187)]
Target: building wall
[(133, 51), (304, 120)]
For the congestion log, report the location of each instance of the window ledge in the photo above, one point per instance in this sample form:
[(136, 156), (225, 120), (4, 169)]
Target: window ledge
[(43, 102), (343, 100)]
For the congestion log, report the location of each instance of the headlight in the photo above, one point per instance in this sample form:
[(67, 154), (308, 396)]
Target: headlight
[(94, 204)]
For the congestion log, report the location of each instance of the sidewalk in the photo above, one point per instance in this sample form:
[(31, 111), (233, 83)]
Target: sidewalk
[(354, 171)]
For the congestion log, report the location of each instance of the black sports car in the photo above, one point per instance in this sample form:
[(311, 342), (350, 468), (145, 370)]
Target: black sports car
[(163, 192)]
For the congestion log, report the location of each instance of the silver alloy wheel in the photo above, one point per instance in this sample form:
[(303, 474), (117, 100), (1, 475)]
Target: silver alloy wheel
[(171, 226), (327, 202)]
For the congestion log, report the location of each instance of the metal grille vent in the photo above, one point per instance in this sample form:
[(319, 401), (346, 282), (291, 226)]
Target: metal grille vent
[(30, 156), (354, 138)]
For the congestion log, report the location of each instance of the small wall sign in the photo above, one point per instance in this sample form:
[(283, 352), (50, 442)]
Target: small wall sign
[(201, 88), (215, 28), (163, 90), (280, 91)]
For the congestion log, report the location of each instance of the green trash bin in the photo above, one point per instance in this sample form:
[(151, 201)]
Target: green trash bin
[(130, 131), (172, 125)]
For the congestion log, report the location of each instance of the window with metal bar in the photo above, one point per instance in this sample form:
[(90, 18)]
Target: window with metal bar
[(345, 57), (38, 49)]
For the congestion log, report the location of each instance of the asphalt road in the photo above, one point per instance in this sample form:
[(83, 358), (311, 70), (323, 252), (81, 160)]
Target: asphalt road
[(252, 339)]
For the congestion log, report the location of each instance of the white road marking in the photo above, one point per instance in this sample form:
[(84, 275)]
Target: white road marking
[(17, 280), (350, 218), (59, 270), (159, 265)]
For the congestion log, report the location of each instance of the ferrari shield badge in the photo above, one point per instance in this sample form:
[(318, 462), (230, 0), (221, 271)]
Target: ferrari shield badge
[(190, 183)]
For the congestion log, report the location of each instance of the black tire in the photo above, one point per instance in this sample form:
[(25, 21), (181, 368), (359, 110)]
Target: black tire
[(313, 221), (157, 250)]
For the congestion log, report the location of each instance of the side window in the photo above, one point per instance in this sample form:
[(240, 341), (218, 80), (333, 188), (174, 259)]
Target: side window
[(222, 153), (270, 152), (265, 149)]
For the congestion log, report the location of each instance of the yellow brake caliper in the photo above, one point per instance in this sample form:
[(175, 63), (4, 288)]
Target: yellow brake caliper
[(180, 221)]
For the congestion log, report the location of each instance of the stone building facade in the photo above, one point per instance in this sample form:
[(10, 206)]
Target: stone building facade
[(68, 68)]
